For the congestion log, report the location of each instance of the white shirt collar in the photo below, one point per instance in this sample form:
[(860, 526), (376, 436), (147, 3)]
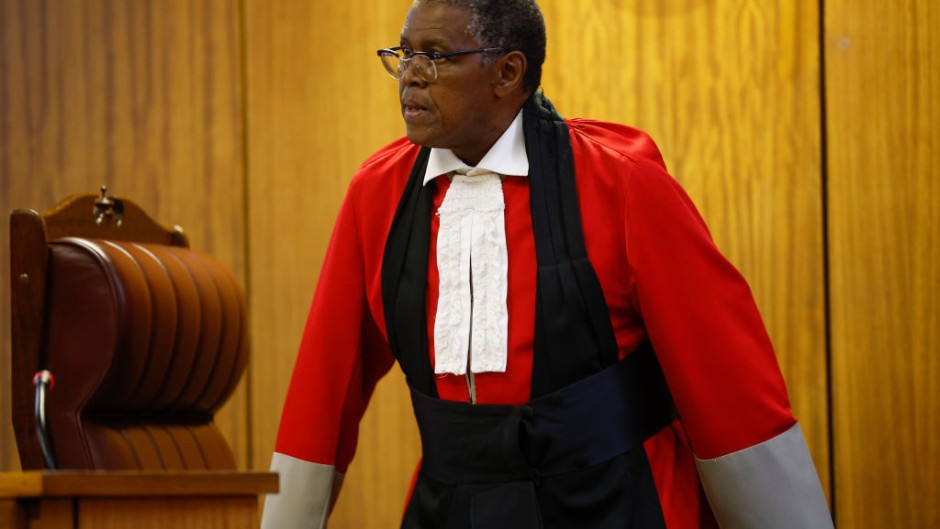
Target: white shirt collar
[(506, 157)]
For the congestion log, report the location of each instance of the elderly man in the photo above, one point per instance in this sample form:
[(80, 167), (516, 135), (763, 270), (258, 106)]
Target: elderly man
[(579, 353)]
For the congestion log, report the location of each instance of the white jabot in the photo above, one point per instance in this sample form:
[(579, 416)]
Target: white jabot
[(471, 325)]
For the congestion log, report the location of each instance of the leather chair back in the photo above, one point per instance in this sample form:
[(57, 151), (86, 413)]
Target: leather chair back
[(145, 340)]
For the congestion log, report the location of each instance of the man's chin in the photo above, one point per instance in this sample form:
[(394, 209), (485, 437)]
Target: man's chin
[(420, 138)]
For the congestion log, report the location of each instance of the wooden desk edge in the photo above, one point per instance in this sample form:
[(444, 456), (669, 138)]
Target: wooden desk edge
[(79, 483)]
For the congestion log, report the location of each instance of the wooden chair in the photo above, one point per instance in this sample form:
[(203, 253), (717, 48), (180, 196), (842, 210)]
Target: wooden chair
[(144, 339)]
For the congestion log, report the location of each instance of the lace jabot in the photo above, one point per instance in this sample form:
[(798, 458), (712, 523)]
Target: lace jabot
[(471, 327)]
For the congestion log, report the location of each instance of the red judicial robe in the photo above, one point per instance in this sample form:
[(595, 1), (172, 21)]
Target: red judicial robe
[(663, 279)]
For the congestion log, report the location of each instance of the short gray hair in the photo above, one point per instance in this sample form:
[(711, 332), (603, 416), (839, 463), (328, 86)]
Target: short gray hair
[(509, 24)]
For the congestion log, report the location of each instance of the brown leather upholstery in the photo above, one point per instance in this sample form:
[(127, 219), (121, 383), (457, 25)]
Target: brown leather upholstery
[(145, 341)]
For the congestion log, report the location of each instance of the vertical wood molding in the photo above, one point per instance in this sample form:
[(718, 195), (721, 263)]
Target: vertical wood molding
[(883, 106), (143, 96)]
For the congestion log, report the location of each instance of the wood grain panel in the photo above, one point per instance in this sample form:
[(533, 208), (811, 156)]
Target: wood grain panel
[(143, 96), (883, 106), (319, 103), (52, 514), (11, 514), (159, 513), (126, 483), (730, 91)]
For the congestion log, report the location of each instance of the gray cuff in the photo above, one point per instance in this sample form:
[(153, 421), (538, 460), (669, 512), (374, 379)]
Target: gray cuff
[(772, 485), (306, 494)]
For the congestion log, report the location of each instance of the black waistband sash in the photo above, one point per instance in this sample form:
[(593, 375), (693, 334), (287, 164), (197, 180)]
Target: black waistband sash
[(584, 424), (575, 454)]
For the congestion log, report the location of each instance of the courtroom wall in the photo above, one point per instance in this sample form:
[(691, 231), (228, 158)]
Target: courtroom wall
[(804, 131)]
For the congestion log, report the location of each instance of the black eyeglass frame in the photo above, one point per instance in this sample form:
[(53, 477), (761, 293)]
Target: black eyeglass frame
[(405, 58)]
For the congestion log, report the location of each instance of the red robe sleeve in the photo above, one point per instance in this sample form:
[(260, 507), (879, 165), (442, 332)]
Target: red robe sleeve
[(342, 355), (664, 279), (701, 317)]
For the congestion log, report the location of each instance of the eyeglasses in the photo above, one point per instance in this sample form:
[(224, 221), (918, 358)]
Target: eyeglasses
[(396, 60)]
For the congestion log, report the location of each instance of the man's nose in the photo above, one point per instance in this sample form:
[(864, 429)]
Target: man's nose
[(409, 75)]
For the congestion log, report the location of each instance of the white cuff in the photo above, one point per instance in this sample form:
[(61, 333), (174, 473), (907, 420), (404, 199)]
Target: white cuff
[(304, 500), (771, 485)]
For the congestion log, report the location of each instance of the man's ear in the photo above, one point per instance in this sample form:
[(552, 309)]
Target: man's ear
[(510, 74)]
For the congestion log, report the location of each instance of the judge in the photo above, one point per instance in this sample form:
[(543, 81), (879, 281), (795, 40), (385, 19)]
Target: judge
[(578, 351)]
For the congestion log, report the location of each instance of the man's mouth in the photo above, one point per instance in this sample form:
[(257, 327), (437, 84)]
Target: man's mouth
[(412, 110)]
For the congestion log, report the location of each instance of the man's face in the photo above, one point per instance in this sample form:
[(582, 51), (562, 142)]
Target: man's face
[(456, 110)]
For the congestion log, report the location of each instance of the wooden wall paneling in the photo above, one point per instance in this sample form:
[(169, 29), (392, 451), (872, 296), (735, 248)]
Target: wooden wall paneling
[(319, 102), (729, 89), (883, 106), (205, 512), (145, 97)]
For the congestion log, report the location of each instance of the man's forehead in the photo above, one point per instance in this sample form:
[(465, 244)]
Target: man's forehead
[(436, 23)]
